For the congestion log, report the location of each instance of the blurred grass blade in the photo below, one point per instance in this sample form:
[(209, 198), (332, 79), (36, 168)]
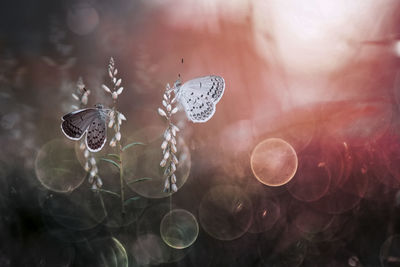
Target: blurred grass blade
[(129, 200), (114, 156), (139, 180), (132, 144), (111, 161), (107, 191)]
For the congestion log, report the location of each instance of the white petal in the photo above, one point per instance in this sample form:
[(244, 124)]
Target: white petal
[(173, 178), (75, 96), (119, 91), (114, 80), (173, 140), (86, 153), (175, 160), (114, 95), (105, 87), (169, 108), (110, 123), (165, 97), (110, 73), (74, 107), (118, 136), (173, 167), (168, 136), (92, 161), (121, 116), (164, 103), (99, 183), (94, 186), (174, 188), (173, 148), (162, 112), (115, 72), (175, 128), (118, 83), (93, 173), (175, 110), (166, 184), (87, 168), (164, 145), (166, 155), (84, 99), (163, 162)]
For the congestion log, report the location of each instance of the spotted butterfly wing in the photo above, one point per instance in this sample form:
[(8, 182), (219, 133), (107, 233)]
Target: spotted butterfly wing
[(200, 96), (76, 123), (96, 134)]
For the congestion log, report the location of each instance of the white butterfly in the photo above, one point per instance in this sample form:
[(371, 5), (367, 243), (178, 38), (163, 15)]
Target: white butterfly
[(200, 96)]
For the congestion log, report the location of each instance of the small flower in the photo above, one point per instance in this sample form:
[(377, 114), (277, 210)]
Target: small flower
[(175, 110), (173, 167), (163, 162), (99, 183), (119, 91), (162, 112), (114, 95), (175, 159), (118, 136), (86, 153), (113, 142), (84, 99), (111, 122), (166, 184), (173, 178), (174, 188), (87, 168), (168, 108), (166, 155), (75, 97), (92, 161), (93, 173), (105, 87), (121, 116), (164, 145), (118, 83), (173, 148)]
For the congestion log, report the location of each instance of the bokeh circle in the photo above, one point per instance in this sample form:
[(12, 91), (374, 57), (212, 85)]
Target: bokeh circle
[(179, 229), (225, 212), (57, 167), (274, 162)]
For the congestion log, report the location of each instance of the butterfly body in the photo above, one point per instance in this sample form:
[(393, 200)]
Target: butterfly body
[(200, 96), (91, 121)]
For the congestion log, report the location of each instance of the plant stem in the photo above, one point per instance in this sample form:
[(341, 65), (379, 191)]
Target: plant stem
[(121, 179)]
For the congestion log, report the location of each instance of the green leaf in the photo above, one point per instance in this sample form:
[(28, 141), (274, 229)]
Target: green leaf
[(139, 180), (111, 161), (115, 156), (129, 200), (107, 191), (132, 144)]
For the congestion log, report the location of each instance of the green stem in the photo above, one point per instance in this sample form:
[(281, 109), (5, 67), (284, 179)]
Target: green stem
[(121, 179)]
